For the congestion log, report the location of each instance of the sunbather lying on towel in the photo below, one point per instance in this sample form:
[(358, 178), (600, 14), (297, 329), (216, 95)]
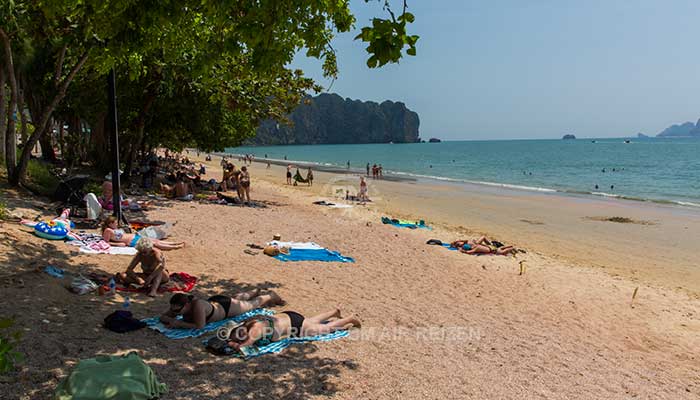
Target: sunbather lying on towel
[(482, 246), (263, 330), (118, 238), (152, 263), (197, 312)]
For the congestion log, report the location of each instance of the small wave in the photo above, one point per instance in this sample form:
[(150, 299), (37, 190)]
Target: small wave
[(607, 194), (518, 187)]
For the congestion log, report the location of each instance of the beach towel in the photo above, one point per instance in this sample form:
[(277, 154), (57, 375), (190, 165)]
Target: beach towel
[(296, 245), (313, 255), (400, 223), (277, 347), (111, 378), (155, 324), (91, 243), (179, 282), (331, 205)]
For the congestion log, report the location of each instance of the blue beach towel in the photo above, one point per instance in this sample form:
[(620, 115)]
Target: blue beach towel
[(405, 224), (276, 347), (313, 255), (155, 324), (448, 246)]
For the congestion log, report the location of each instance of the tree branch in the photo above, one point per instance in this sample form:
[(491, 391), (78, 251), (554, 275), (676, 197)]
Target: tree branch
[(59, 65)]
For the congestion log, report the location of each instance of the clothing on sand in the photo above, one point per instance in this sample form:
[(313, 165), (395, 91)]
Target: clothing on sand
[(111, 378)]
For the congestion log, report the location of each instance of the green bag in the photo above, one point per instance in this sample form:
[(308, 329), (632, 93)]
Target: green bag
[(111, 378)]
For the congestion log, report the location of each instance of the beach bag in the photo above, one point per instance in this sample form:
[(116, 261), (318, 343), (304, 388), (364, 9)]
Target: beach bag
[(82, 285)]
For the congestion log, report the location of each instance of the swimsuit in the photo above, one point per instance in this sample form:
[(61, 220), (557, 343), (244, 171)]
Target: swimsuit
[(224, 301), (297, 321), (134, 240)]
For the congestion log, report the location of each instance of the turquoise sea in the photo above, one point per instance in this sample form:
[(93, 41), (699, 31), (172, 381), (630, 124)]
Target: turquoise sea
[(659, 170)]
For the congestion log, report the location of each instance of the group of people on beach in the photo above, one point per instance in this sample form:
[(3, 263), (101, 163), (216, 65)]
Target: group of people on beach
[(377, 171)]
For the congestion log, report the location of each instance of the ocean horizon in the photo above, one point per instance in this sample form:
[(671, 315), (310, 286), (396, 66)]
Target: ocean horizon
[(662, 170)]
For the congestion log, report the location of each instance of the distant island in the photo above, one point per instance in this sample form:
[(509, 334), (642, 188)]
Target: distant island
[(642, 136), (569, 137), (330, 119), (687, 129)]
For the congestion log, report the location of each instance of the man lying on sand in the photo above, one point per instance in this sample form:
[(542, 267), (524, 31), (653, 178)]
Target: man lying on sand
[(152, 263), (197, 312), (482, 246), (263, 330)]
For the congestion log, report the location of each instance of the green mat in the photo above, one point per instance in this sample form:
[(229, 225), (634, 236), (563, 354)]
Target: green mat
[(111, 378)]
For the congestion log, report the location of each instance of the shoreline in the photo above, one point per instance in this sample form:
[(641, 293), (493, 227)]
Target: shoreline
[(652, 245), (395, 176)]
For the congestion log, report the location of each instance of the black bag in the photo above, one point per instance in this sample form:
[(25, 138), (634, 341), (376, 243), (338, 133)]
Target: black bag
[(219, 347), (122, 321)]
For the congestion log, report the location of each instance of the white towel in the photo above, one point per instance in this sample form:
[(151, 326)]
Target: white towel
[(94, 209), (296, 245)]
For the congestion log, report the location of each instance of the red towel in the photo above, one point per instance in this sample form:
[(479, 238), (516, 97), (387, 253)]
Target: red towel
[(179, 282)]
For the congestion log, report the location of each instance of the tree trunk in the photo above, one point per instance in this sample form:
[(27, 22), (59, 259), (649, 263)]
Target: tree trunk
[(40, 127), (140, 123), (3, 111), (10, 138), (99, 143)]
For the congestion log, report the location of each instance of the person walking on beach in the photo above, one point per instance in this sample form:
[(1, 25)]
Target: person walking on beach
[(380, 172), (310, 177), (289, 174), (363, 189)]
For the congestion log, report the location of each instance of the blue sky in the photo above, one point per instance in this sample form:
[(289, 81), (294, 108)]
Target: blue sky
[(501, 69)]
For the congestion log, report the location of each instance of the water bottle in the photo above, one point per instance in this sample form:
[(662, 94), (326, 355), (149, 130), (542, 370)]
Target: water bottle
[(112, 286), (127, 303)]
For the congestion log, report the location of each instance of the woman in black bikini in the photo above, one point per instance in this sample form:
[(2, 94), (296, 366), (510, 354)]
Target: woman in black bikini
[(197, 312), (263, 330)]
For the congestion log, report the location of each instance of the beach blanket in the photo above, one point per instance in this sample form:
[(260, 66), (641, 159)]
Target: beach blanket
[(307, 251), (179, 282), (313, 255), (331, 205), (111, 377), (296, 245), (400, 223), (277, 347), (91, 243), (155, 324)]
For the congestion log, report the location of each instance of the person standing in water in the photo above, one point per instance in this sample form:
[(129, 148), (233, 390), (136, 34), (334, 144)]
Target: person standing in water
[(348, 164)]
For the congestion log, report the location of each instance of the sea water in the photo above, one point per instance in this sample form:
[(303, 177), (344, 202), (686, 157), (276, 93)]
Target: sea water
[(655, 169)]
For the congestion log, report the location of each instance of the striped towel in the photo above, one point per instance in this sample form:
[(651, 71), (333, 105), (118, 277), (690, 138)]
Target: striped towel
[(155, 324), (277, 347)]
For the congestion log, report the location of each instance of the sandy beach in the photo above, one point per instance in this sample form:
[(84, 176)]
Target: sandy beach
[(436, 323)]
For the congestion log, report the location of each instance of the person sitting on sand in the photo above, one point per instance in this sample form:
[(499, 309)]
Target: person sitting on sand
[(118, 238), (263, 330), (183, 191), (481, 246), (152, 263), (197, 312)]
